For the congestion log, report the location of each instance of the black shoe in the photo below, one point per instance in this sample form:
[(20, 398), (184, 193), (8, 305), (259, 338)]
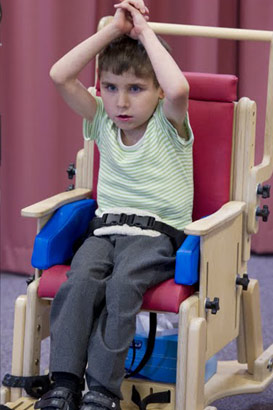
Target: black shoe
[(60, 398), (95, 400)]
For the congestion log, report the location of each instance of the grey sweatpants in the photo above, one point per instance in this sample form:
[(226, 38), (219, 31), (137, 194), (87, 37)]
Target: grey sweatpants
[(94, 313)]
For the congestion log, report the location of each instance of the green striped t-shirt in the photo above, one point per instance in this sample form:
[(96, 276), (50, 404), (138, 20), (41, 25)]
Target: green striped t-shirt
[(154, 175)]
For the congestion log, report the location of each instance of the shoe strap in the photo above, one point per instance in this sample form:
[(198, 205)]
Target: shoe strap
[(95, 397)]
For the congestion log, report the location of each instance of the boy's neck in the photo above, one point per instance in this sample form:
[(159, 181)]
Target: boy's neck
[(131, 137)]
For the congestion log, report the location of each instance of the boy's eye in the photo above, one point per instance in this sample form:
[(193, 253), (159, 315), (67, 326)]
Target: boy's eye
[(111, 87), (135, 88)]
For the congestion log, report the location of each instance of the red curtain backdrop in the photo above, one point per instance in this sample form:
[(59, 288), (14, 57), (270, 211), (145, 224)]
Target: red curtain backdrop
[(40, 135)]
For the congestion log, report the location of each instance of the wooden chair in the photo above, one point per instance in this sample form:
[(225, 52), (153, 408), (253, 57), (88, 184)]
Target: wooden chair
[(226, 183)]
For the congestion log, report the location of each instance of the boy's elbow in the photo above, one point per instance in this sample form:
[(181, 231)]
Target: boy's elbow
[(55, 76), (184, 90), (187, 87), (179, 90), (180, 93)]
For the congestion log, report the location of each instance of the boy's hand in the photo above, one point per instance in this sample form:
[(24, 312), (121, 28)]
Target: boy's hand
[(132, 14), (138, 4)]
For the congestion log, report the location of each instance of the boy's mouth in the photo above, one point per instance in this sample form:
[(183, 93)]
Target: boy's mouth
[(124, 117)]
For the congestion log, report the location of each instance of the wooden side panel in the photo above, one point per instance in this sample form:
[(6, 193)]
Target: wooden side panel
[(220, 261)]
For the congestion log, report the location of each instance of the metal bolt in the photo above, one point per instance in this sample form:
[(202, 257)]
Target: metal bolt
[(37, 361), (38, 328), (270, 364)]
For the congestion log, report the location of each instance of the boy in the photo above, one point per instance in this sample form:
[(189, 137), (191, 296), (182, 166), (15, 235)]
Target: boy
[(141, 127)]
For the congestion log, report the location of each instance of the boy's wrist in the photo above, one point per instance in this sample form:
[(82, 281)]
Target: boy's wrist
[(114, 30), (146, 34)]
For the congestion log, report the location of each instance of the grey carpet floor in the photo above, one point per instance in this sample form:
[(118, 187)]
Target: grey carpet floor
[(260, 267)]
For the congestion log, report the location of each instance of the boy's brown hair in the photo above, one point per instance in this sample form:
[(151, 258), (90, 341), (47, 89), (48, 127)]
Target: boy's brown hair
[(124, 54)]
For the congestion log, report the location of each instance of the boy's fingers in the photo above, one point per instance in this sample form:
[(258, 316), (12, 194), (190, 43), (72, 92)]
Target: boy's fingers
[(139, 5), (126, 6)]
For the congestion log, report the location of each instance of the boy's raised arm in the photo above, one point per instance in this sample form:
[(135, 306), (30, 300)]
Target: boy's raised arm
[(65, 72), (169, 75), (170, 78)]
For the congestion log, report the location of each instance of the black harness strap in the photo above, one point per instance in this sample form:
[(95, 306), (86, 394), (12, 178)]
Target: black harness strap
[(160, 397), (143, 222), (149, 348), (35, 386)]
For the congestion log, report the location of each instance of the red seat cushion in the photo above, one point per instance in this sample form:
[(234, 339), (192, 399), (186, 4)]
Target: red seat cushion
[(165, 297)]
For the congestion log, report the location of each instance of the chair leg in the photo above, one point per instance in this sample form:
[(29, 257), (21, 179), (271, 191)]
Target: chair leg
[(37, 328), (18, 342), (196, 361), (190, 380), (191, 357), (12, 394), (252, 324)]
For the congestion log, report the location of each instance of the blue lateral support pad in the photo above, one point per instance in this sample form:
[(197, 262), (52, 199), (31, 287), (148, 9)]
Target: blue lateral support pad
[(55, 243), (187, 261)]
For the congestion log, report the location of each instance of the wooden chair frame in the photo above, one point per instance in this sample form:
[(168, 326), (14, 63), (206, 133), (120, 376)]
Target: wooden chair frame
[(230, 228)]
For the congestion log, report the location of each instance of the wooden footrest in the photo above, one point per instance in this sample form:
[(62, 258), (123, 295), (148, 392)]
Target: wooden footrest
[(24, 403)]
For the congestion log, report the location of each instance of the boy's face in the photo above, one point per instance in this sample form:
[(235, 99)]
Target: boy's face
[(129, 101)]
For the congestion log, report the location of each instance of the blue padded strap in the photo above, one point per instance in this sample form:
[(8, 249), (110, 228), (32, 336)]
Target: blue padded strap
[(187, 261), (54, 244)]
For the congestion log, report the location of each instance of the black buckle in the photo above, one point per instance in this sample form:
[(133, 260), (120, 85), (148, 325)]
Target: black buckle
[(114, 219), (144, 222)]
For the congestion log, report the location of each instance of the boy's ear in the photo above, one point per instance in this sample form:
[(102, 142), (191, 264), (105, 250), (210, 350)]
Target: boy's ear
[(161, 93)]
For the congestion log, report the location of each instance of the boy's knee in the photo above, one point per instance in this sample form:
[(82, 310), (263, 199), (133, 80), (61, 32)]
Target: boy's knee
[(122, 293)]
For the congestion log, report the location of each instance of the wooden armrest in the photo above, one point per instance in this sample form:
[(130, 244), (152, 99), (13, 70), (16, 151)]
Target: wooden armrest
[(225, 214), (49, 205)]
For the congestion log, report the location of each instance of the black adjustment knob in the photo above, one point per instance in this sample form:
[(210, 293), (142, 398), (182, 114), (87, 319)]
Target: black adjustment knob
[(213, 305), (71, 171), (264, 190), (263, 212), (243, 281), (30, 280), (70, 187)]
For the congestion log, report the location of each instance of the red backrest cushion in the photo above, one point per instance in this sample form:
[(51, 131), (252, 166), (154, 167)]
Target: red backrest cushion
[(211, 115)]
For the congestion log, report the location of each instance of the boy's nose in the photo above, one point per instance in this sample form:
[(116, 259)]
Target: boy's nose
[(122, 100)]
